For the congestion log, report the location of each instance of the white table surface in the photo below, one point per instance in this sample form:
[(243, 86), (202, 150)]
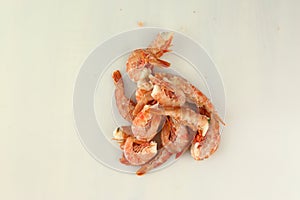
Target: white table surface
[(256, 46)]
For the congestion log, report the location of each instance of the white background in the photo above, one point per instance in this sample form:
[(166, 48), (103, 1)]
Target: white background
[(256, 46)]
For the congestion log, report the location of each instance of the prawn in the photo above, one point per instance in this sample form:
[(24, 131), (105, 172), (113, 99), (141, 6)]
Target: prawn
[(145, 124), (192, 93), (124, 104), (138, 152), (123, 160), (141, 61)]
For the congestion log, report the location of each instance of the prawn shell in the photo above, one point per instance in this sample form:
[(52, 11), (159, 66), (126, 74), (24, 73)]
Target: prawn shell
[(145, 153), (205, 146)]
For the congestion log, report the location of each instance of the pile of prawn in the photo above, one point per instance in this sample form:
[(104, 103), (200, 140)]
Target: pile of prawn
[(169, 116)]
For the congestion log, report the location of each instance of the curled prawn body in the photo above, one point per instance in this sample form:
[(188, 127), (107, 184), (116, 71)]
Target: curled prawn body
[(124, 104), (137, 152), (141, 61), (204, 146)]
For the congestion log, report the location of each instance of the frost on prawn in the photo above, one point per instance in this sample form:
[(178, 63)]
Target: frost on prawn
[(135, 152), (166, 94), (204, 146), (124, 104), (143, 97), (170, 115), (175, 136), (175, 140), (145, 124), (185, 116), (162, 156), (139, 153), (192, 93)]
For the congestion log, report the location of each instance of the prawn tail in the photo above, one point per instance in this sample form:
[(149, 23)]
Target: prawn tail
[(143, 170), (117, 76), (162, 41), (218, 118), (124, 161)]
